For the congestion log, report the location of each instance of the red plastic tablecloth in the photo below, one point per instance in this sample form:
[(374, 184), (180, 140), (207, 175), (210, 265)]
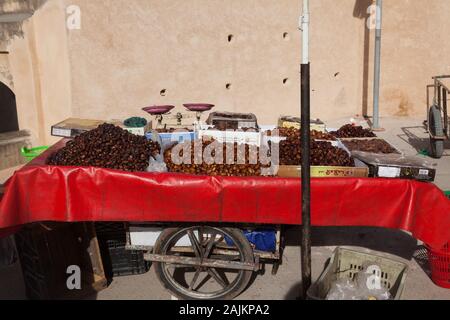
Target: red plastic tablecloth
[(44, 193)]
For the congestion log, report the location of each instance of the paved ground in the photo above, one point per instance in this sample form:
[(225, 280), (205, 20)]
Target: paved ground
[(406, 134)]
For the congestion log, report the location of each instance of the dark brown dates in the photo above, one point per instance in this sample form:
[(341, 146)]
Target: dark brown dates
[(374, 146), (323, 153), (107, 146), (351, 131), (225, 167)]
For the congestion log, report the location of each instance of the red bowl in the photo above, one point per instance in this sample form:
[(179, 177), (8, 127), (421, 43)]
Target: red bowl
[(199, 107), (157, 110)]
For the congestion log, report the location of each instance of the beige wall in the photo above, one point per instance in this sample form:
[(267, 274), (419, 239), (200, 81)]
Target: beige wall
[(127, 51)]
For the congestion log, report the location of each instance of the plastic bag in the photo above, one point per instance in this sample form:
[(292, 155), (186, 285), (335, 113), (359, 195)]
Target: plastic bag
[(368, 282), (343, 289), (264, 240), (157, 164), (366, 286)]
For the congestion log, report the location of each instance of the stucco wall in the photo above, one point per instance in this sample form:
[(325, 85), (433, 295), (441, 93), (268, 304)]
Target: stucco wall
[(127, 51)]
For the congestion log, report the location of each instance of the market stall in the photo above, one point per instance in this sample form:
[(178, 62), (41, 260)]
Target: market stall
[(228, 214), (39, 192)]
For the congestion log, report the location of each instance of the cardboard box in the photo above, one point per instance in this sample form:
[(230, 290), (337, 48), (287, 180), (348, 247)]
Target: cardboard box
[(230, 136), (232, 120), (324, 172), (146, 237), (396, 166), (294, 122), (74, 126)]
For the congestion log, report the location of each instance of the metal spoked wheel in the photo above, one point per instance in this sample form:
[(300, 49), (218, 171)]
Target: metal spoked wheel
[(436, 129), (207, 263)]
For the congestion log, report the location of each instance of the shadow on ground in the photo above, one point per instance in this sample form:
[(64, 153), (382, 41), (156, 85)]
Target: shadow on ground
[(418, 138), (390, 241), (293, 293)]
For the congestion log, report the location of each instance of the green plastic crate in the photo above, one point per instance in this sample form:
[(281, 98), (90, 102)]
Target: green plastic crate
[(346, 263), (31, 153), (447, 194)]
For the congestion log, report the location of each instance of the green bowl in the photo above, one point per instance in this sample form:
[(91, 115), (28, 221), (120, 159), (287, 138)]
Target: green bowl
[(31, 153), (447, 193)]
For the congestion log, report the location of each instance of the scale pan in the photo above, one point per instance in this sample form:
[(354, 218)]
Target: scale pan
[(198, 107), (158, 110)]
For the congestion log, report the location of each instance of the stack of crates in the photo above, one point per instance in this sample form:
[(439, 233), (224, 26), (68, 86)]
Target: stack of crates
[(117, 260)]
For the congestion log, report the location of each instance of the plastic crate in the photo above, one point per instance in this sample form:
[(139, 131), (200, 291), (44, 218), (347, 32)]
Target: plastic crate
[(439, 261), (346, 263), (46, 253), (124, 262), (447, 194), (117, 260)]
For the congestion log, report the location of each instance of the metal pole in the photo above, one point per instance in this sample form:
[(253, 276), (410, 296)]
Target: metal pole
[(305, 140), (376, 82)]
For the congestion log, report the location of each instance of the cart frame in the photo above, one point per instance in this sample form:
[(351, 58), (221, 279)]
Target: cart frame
[(188, 256), (437, 115)]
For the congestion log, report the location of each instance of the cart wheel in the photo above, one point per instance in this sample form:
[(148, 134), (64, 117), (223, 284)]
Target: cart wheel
[(435, 123), (204, 283)]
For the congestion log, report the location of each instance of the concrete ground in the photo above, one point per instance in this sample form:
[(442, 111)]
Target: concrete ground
[(407, 135)]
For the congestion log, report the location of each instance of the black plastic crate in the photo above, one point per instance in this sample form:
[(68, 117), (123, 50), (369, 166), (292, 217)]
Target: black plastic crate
[(117, 260), (46, 252)]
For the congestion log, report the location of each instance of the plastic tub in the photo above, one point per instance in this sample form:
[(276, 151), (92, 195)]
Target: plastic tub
[(439, 261), (30, 154)]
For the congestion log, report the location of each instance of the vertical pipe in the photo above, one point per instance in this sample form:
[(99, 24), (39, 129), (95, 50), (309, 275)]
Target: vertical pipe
[(305, 142), (376, 82), (305, 29), (306, 178)]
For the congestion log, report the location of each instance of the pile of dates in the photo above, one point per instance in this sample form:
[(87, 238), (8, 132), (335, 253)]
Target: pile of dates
[(318, 135), (294, 133), (351, 131), (323, 153), (226, 167), (107, 146), (374, 146)]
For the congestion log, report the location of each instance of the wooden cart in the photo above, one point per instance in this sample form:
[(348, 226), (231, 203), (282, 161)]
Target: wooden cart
[(207, 261)]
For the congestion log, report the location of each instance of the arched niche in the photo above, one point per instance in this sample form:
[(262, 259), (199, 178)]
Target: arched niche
[(8, 110)]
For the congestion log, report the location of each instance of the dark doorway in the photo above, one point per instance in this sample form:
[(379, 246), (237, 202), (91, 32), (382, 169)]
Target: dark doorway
[(8, 110)]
